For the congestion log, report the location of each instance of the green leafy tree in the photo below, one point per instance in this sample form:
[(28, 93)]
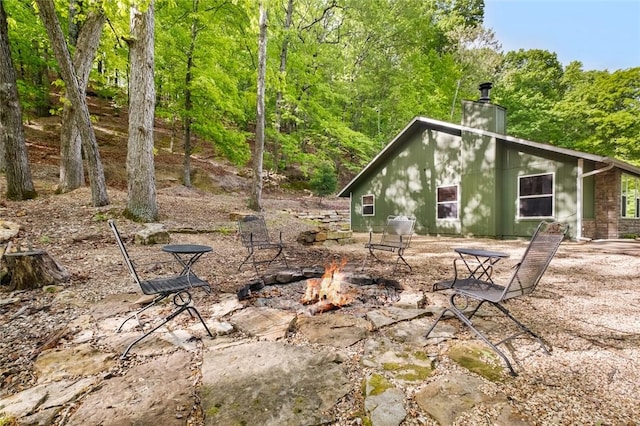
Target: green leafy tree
[(205, 73), (529, 84), (323, 182), (600, 112)]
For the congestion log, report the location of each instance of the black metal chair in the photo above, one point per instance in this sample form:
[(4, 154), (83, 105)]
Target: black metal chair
[(395, 238), (524, 280), (177, 286), (255, 236)]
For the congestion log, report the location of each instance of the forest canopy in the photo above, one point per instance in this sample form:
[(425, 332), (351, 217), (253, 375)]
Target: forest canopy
[(343, 76)]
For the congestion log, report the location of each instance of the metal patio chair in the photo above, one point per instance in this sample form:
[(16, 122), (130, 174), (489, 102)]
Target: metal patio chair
[(177, 286), (254, 235), (395, 238), (523, 281)]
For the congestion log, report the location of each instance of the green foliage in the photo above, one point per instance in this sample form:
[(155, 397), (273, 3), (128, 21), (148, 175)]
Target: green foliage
[(354, 74), (528, 86), (324, 181)]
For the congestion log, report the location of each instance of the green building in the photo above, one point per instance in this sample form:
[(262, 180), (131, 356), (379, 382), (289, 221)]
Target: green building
[(473, 179)]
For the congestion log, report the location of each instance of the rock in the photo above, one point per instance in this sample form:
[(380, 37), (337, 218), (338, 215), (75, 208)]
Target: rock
[(334, 330), (264, 323), (153, 233), (405, 363), (447, 397), (383, 402), (391, 315), (270, 384), (80, 360), (154, 393), (8, 230), (44, 396)]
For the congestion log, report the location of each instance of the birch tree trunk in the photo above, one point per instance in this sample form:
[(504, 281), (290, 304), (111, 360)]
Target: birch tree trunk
[(13, 150), (141, 196), (71, 166), (78, 100), (255, 202)]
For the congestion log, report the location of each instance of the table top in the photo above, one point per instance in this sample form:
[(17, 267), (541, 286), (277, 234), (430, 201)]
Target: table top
[(186, 248), (481, 252)]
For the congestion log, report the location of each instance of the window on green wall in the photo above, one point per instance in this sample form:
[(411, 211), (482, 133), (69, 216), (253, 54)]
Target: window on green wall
[(630, 188), (368, 205), (535, 196), (447, 202)]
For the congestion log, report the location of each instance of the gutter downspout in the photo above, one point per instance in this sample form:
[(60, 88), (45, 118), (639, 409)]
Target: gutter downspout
[(579, 201)]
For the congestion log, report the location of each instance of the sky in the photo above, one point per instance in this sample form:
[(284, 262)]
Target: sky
[(602, 34)]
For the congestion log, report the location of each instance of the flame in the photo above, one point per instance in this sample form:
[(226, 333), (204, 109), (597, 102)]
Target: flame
[(327, 289)]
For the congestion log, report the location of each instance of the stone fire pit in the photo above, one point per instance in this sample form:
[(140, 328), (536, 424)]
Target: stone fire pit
[(290, 290)]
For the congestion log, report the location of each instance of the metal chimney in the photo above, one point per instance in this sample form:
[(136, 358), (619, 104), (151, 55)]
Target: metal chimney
[(485, 89)]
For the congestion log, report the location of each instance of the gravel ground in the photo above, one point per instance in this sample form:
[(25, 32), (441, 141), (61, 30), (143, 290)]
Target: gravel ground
[(586, 307)]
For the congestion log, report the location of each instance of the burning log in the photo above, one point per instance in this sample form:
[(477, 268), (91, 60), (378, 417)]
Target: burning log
[(322, 306), (326, 292)]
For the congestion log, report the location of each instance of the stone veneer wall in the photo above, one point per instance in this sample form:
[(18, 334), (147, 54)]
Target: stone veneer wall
[(608, 222), (588, 228), (607, 200), (628, 227)]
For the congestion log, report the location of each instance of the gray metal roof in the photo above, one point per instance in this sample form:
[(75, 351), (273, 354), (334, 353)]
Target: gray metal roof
[(456, 129)]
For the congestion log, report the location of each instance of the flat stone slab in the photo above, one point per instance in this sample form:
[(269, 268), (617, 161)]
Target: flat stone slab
[(270, 384), (446, 398), (383, 402), (44, 396), (158, 392), (405, 363), (391, 315), (264, 323), (65, 363), (336, 330)]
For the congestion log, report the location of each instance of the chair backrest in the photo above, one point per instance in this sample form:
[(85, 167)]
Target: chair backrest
[(398, 231), (535, 260), (253, 230), (123, 250)]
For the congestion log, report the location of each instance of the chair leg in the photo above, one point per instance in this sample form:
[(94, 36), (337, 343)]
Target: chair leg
[(524, 328), (364, 262), (280, 253), (183, 304), (401, 257), (250, 250), (462, 317), (138, 312)]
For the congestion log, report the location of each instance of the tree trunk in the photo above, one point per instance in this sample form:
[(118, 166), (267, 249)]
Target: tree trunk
[(78, 100), (188, 104), (13, 150), (141, 196), (33, 269), (71, 167), (283, 73), (255, 203)]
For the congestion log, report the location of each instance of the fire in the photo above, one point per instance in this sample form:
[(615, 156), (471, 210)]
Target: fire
[(327, 290)]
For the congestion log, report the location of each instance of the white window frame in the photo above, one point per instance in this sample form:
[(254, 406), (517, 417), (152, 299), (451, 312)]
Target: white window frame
[(456, 202), (627, 194), (552, 195), (372, 205)]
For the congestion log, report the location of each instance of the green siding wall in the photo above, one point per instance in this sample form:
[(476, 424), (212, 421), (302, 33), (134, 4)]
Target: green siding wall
[(528, 162), (486, 171)]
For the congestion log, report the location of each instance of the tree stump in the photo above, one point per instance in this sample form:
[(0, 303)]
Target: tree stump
[(33, 269)]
